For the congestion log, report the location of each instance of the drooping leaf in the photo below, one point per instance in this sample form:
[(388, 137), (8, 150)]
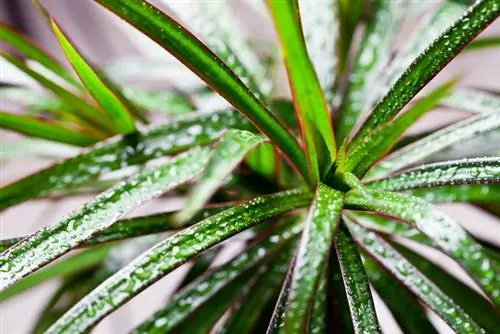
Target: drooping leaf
[(320, 27), (312, 255), (104, 96), (362, 310), (484, 43), (466, 171), (184, 46), (474, 193), (311, 108), (365, 152), (442, 230), (458, 132), (409, 314), (175, 314), (87, 113), (472, 100), (34, 127), (86, 222), (171, 253), (32, 51), (431, 61), (70, 265), (232, 148), (469, 300), (415, 281), (243, 319), (120, 152), (372, 55)]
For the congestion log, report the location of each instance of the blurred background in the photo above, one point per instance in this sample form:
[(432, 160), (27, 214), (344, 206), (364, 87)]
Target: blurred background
[(134, 59)]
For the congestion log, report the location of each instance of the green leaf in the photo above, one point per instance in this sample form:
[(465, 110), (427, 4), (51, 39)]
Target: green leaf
[(320, 27), (372, 55), (34, 127), (243, 319), (101, 92), (472, 100), (312, 110), (466, 171), (340, 311), (232, 148), (319, 313), (312, 255), (475, 193), (364, 318), (349, 13), (375, 144), (169, 103), (184, 46), (278, 316), (409, 314), (469, 300), (70, 265), (431, 61), (170, 254), (200, 265), (415, 281), (484, 43), (86, 222), (455, 133), (88, 114), (213, 282), (120, 152), (32, 51), (442, 230)]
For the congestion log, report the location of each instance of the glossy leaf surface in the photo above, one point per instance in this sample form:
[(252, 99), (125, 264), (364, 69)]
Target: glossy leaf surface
[(310, 104), (184, 46), (474, 193), (120, 152), (431, 61), (86, 222), (171, 253)]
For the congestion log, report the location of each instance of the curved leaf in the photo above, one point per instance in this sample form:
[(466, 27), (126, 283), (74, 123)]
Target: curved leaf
[(466, 171), (364, 318), (431, 61), (442, 230), (312, 254), (232, 148), (184, 46), (472, 100), (373, 54), (120, 152), (415, 281), (86, 222), (103, 95), (475, 193), (171, 253), (365, 152), (32, 51), (483, 43), (165, 102), (409, 314), (213, 282), (435, 142), (311, 108), (34, 127)]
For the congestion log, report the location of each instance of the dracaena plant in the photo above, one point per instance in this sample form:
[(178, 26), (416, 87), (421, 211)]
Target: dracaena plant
[(327, 187)]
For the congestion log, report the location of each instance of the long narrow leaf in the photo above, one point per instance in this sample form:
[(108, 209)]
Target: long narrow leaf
[(48, 244), (362, 309), (171, 253), (33, 127), (232, 148), (475, 193), (209, 67), (312, 110), (415, 281), (442, 230), (472, 100), (312, 255), (372, 55), (174, 314), (120, 152), (466, 171), (483, 43), (435, 142), (431, 61), (103, 95)]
